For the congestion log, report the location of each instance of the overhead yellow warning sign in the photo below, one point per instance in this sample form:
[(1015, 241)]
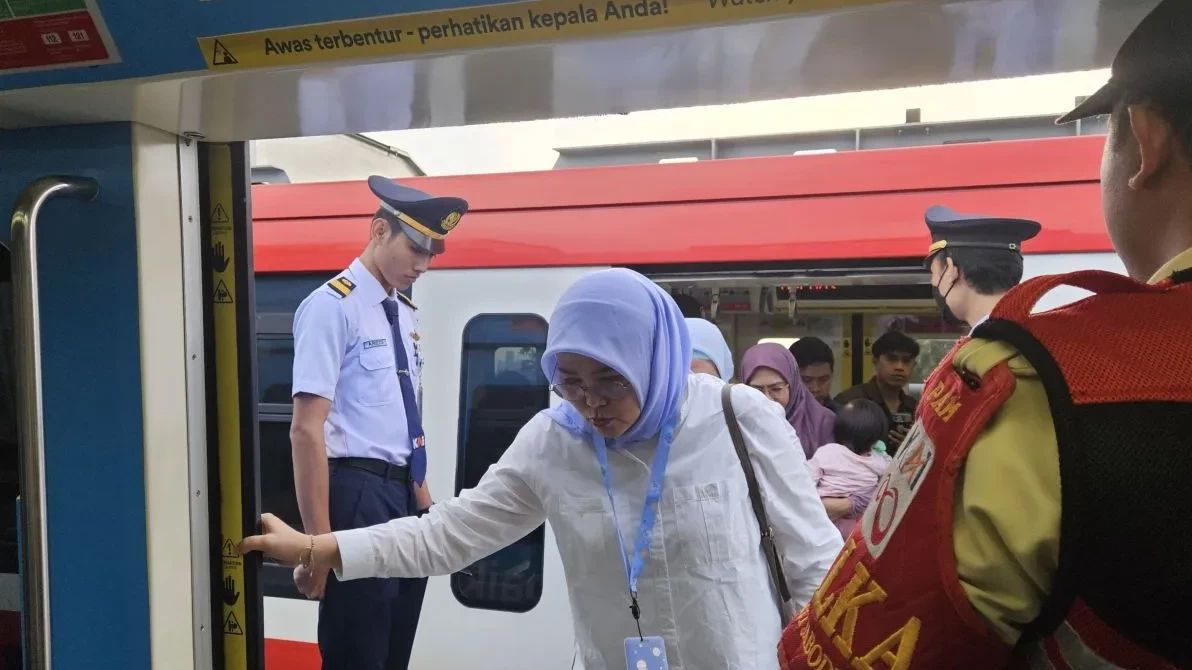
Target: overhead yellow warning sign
[(221, 56), (487, 26)]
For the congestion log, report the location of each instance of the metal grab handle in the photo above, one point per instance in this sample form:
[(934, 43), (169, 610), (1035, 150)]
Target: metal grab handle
[(30, 427)]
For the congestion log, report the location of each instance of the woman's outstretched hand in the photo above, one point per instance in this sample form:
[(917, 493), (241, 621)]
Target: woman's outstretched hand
[(277, 541)]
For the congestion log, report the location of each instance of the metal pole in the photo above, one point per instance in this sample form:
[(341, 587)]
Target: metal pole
[(35, 558)]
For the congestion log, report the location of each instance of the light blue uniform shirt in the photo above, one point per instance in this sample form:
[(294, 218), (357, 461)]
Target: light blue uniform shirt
[(343, 351)]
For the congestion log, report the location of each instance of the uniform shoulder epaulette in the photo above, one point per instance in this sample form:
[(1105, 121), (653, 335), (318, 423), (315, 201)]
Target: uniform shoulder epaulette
[(342, 286), (404, 298)]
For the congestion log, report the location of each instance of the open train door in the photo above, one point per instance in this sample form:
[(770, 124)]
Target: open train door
[(233, 454)]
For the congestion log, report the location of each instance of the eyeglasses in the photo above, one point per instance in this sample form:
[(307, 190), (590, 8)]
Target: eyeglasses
[(609, 389), (773, 389)]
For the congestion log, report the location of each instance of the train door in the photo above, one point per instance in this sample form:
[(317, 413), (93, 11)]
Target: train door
[(850, 309), (113, 540), (846, 308), (94, 380), (851, 328)]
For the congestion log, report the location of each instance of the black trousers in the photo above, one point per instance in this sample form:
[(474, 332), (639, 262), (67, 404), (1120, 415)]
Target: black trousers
[(368, 624)]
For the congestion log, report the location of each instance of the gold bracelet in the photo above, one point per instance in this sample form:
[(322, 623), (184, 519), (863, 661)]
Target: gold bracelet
[(309, 554)]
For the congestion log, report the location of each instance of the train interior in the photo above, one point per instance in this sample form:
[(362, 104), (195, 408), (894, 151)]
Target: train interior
[(846, 308)]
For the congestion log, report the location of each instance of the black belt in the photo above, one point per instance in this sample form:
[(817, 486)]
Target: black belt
[(382, 469)]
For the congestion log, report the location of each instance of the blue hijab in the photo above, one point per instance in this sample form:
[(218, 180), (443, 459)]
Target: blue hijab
[(708, 342), (628, 323)]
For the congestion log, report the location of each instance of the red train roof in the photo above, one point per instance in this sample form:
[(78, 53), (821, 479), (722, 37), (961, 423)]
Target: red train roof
[(856, 205)]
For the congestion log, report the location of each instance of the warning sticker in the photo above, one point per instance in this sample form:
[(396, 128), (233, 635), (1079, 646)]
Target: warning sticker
[(232, 625), (47, 34), (222, 295), (231, 595), (506, 24), (221, 56)]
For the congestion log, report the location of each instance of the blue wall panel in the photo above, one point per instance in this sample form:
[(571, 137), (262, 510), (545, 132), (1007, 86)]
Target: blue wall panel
[(92, 389), (160, 36)]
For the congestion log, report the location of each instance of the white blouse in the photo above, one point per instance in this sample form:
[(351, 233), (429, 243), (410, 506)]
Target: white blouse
[(705, 586)]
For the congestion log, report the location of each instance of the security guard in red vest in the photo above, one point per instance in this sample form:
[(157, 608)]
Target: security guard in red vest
[(972, 554)]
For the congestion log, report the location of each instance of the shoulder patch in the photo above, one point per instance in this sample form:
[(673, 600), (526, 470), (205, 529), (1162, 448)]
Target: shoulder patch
[(980, 356), (342, 286), (402, 297)]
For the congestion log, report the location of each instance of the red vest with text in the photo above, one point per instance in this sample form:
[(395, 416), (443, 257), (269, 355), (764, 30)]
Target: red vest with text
[(1117, 369)]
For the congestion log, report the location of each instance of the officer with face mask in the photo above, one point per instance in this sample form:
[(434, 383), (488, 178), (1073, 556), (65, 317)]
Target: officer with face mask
[(974, 260)]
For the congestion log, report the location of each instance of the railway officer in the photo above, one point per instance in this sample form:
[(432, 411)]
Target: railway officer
[(974, 260), (358, 445)]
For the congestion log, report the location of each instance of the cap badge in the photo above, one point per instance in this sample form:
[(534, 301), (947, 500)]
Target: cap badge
[(451, 220)]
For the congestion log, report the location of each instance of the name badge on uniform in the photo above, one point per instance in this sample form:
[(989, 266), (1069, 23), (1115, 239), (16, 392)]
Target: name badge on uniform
[(373, 344), (645, 653)]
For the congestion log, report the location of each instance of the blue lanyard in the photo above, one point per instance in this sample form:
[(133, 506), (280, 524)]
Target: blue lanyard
[(634, 562)]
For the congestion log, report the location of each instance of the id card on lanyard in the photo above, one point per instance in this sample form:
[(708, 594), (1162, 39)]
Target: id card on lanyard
[(641, 652)]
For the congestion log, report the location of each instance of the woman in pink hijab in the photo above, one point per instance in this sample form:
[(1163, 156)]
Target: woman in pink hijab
[(772, 369)]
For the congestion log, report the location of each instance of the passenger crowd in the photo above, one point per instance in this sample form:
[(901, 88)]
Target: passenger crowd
[(847, 440)]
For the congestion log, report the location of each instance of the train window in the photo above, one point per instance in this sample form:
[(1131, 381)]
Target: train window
[(501, 388), (282, 293), (275, 363), (277, 494), (277, 471), (275, 368)]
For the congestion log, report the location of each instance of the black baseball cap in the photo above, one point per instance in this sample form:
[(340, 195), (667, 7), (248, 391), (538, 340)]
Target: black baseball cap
[(1155, 60)]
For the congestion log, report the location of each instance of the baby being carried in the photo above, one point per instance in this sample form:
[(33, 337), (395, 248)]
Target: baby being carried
[(851, 466)]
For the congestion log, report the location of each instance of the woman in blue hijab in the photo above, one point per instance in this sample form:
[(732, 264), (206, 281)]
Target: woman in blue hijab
[(637, 475), (710, 352)]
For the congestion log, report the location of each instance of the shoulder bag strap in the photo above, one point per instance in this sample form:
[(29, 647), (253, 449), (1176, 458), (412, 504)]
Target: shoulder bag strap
[(759, 509)]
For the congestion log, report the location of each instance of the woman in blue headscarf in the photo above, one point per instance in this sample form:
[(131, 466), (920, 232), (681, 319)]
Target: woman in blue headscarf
[(636, 473), (709, 350)]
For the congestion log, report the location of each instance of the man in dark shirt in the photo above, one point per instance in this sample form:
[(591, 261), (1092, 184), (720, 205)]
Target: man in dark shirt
[(894, 358)]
